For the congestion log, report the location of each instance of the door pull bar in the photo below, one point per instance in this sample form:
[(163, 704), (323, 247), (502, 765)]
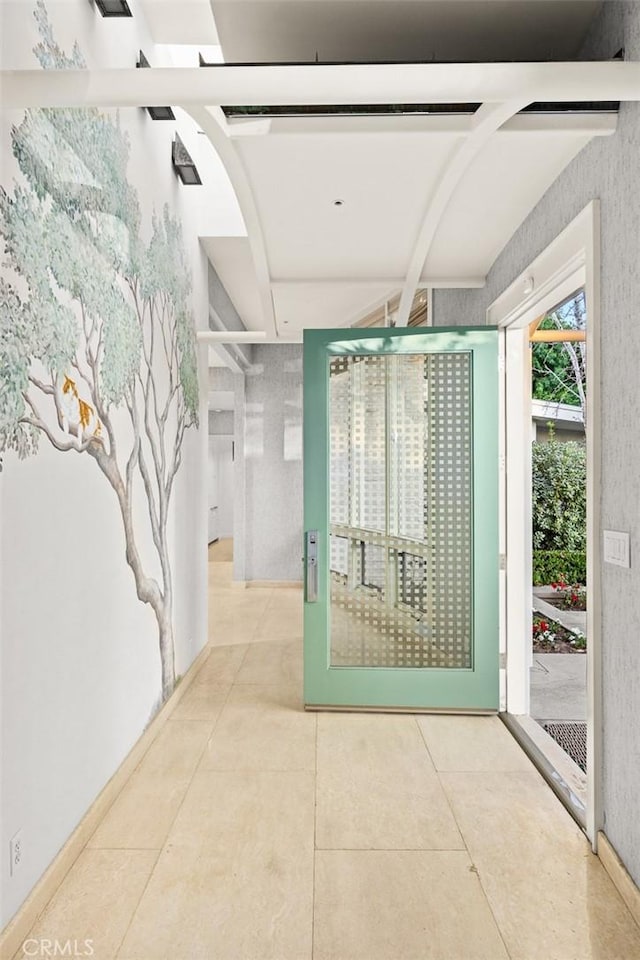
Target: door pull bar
[(311, 579)]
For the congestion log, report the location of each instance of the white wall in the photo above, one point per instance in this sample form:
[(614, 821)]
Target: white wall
[(221, 488), (267, 466), (212, 477), (273, 460), (80, 662), (223, 455)]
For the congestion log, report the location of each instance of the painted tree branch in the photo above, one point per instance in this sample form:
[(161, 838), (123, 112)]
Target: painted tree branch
[(105, 316)]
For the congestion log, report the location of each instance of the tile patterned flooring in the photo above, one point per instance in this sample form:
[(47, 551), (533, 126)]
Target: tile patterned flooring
[(254, 831)]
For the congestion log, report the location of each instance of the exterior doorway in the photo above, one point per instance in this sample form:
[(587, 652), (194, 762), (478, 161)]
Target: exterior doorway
[(569, 265), (558, 679)]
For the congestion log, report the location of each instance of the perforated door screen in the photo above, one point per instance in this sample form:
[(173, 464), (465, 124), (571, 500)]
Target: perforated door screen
[(401, 510)]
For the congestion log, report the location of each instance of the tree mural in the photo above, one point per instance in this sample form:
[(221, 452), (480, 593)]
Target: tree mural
[(97, 349)]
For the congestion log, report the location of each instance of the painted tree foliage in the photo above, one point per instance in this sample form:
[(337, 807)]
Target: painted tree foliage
[(95, 331)]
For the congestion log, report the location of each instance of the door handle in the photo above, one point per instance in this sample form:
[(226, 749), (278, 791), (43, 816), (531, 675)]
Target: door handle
[(311, 553)]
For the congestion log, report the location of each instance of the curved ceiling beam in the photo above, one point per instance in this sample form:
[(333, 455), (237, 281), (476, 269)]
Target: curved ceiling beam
[(323, 84), (486, 121), (212, 122)]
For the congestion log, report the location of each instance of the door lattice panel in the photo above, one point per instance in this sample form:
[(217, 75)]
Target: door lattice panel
[(401, 510), (450, 463)]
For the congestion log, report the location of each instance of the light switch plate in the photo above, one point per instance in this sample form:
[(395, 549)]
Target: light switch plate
[(616, 548)]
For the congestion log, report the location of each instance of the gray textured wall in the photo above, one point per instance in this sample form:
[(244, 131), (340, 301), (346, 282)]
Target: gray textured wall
[(273, 463), (608, 169), (221, 424)]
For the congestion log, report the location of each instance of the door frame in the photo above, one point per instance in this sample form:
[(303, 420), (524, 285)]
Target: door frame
[(571, 261)]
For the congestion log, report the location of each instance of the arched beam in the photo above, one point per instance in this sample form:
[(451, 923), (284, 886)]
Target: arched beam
[(486, 121), (212, 121), (323, 84)]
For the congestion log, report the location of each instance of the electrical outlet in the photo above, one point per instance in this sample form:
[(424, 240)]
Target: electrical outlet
[(16, 852)]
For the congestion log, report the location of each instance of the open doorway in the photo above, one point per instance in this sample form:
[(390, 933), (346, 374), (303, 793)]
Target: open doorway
[(558, 676), (569, 266), (221, 457), (221, 491)]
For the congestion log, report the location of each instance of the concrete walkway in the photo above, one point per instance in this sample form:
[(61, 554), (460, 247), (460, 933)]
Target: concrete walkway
[(558, 686), (559, 680)]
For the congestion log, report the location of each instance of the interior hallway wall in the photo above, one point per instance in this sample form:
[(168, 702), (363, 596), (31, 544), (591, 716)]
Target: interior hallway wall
[(221, 489), (273, 460), (608, 169), (81, 672)]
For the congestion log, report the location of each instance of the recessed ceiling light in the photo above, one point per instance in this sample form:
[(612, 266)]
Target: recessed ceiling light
[(338, 203)]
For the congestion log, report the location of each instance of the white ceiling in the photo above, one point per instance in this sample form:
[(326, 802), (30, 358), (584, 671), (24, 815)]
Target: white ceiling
[(254, 31), (305, 262), (232, 261), (501, 187), (186, 21), (328, 304), (330, 266), (383, 180)]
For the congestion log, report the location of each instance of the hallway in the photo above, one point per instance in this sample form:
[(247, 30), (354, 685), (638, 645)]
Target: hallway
[(254, 830)]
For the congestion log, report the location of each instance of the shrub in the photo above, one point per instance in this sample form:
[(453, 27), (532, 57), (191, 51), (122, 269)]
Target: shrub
[(559, 498), (550, 566), (571, 596)]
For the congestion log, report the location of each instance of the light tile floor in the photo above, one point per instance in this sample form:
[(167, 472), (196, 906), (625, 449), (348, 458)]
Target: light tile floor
[(254, 831)]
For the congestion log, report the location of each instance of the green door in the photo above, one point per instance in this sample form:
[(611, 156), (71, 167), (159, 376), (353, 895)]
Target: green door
[(401, 519)]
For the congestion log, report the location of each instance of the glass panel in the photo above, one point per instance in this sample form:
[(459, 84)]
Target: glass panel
[(340, 429), (368, 443), (374, 566), (408, 444), (412, 580), (401, 510), (339, 555)]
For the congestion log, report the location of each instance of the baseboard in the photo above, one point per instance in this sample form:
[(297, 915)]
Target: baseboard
[(620, 876), (18, 928), (267, 584), (275, 584)]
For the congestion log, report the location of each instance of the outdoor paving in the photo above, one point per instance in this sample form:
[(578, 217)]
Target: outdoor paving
[(558, 686), (558, 680)]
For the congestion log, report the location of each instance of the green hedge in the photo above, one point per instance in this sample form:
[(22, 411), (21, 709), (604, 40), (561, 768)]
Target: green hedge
[(559, 496), (551, 565)]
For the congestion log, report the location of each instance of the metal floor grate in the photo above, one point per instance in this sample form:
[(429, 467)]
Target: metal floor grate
[(572, 737)]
